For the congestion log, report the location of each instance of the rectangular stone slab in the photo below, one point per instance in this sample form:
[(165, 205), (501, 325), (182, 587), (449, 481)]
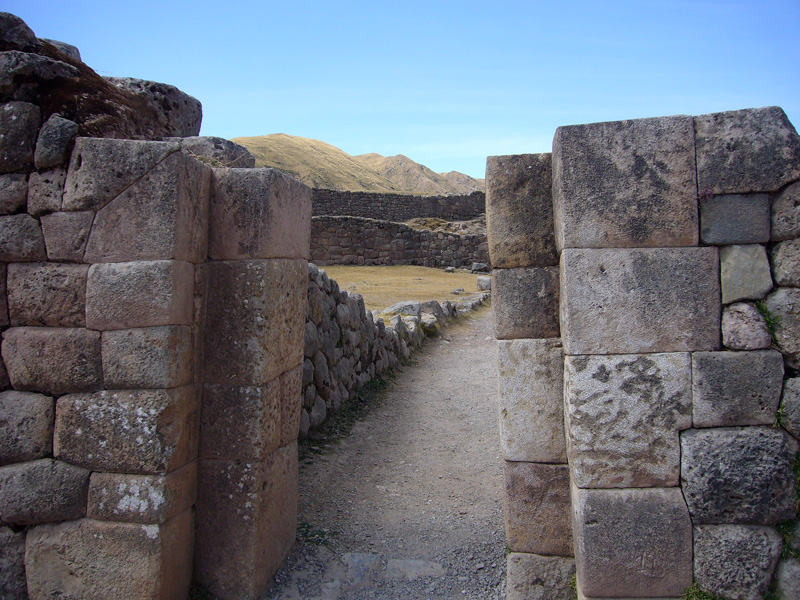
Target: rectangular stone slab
[(525, 303), (540, 577), (627, 301)]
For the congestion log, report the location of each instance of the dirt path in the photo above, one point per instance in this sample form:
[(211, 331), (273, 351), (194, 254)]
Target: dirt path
[(409, 505)]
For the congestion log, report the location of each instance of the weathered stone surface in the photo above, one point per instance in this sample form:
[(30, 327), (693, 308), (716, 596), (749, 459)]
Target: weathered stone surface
[(101, 169), (790, 405), (139, 294), (65, 234), (632, 543), (162, 215), (47, 294), (531, 400), (787, 579), (735, 561), (532, 577), (12, 559), (136, 431), (406, 307), (785, 258), (53, 360), (139, 562), (41, 491), (738, 475), (13, 193), (744, 273), (179, 113), (537, 508), (64, 48), (150, 357), (291, 405), (785, 216), (735, 219), (743, 151), (525, 303), (258, 213), (784, 305), (21, 239), (15, 33), (4, 321), (218, 152), (623, 418), (26, 426), (259, 521), (519, 211), (619, 301), (255, 320), (45, 191), (625, 184), (19, 125), (736, 388), (484, 283), (744, 328), (25, 76), (55, 139), (142, 498)]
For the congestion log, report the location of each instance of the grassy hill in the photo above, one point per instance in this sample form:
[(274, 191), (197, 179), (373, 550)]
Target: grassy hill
[(322, 165)]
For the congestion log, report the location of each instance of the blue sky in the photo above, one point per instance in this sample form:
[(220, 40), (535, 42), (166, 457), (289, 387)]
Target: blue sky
[(445, 83)]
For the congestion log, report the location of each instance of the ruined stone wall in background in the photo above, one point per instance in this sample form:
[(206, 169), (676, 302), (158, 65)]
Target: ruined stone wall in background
[(397, 207), (675, 301)]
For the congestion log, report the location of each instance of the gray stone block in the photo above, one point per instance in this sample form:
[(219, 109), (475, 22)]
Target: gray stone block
[(744, 273), (13, 585), (736, 561), (45, 191), (785, 258), (787, 579), (623, 418), (519, 211), (26, 426), (525, 303), (42, 491), (150, 357), (785, 216), (736, 388), (738, 475), (21, 239), (179, 113), (217, 152), (632, 543), (625, 184), (620, 301), (16, 34), (47, 294), (784, 305), (19, 122), (291, 405), (65, 234), (735, 219), (13, 193), (744, 328), (533, 577), (54, 142), (744, 151), (790, 408), (531, 400), (537, 508)]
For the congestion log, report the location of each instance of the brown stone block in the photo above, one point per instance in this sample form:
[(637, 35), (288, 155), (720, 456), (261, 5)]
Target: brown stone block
[(537, 508), (135, 431), (142, 498), (13, 585), (258, 213), (139, 294), (163, 215), (114, 561), (149, 357), (255, 320), (47, 294), (26, 426), (291, 404), (525, 303), (21, 239), (53, 360), (533, 577), (65, 234)]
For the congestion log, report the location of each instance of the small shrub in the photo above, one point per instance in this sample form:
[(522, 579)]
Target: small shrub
[(770, 319)]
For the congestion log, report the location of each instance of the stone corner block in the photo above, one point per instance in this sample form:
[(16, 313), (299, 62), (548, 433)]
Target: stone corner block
[(540, 577), (525, 302), (26, 426)]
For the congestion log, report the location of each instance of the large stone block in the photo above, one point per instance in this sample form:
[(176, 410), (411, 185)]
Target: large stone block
[(525, 303), (736, 561), (258, 213), (785, 214), (531, 400), (54, 141), (744, 273), (65, 234), (139, 294), (114, 561), (738, 475), (150, 357), (743, 151), (785, 258), (142, 498), (255, 320), (624, 414), (21, 239), (47, 294), (13, 193), (744, 328), (101, 169), (45, 191), (736, 388), (625, 184), (617, 301), (246, 519), (53, 360), (41, 491), (162, 215), (291, 404), (735, 219), (537, 511), (632, 543), (178, 113), (784, 305), (532, 577), (13, 585), (134, 431), (26, 426), (519, 211), (19, 124)]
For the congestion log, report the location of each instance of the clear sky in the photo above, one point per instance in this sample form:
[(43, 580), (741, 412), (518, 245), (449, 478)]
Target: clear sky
[(446, 83)]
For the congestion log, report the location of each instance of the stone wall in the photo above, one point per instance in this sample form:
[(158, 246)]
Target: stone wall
[(649, 419), (360, 241), (397, 207)]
